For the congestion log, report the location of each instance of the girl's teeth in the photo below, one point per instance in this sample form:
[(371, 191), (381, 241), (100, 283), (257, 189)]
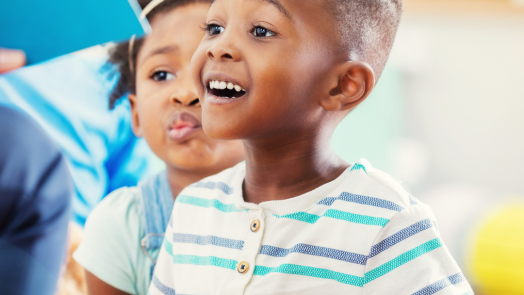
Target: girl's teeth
[(211, 85), (222, 85), (238, 88), (230, 85)]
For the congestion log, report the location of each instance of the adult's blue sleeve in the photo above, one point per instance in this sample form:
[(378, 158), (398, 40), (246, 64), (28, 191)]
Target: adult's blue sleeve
[(35, 196)]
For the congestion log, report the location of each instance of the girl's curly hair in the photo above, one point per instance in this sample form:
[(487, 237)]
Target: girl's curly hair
[(118, 62)]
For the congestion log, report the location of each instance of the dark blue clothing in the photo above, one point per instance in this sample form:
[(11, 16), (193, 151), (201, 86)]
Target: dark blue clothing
[(68, 97), (35, 196)]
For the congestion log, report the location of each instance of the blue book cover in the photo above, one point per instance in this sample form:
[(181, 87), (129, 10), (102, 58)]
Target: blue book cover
[(45, 29)]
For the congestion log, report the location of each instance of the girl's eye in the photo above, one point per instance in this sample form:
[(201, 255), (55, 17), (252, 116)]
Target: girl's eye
[(259, 31), (213, 29), (162, 76)]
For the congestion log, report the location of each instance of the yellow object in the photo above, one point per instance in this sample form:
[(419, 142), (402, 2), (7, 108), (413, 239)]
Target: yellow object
[(497, 259)]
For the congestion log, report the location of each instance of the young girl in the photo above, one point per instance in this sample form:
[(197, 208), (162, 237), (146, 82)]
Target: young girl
[(124, 233)]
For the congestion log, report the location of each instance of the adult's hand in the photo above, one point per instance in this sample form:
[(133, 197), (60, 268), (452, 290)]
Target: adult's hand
[(11, 59)]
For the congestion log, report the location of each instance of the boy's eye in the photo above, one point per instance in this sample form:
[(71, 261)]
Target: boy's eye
[(259, 31), (162, 76), (214, 29)]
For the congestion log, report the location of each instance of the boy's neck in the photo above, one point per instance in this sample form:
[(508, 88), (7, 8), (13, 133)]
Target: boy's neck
[(288, 167)]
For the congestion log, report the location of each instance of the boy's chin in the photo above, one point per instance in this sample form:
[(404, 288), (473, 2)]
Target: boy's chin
[(218, 132)]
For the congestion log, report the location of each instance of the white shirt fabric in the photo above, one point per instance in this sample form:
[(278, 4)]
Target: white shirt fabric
[(359, 234)]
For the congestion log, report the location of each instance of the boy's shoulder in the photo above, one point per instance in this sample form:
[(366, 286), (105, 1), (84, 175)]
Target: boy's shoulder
[(377, 187)]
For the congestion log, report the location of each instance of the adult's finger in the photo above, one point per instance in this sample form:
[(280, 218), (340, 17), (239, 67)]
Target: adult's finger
[(11, 59)]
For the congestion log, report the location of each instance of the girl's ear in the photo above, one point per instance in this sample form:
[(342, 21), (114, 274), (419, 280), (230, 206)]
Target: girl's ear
[(355, 82), (134, 115)]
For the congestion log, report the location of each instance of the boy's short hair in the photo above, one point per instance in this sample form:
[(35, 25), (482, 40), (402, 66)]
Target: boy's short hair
[(118, 62), (368, 28)]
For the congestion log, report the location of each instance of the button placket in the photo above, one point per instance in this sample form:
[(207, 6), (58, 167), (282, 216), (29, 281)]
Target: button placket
[(246, 261)]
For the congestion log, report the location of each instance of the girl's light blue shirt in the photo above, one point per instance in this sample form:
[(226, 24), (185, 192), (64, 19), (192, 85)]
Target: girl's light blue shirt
[(124, 233)]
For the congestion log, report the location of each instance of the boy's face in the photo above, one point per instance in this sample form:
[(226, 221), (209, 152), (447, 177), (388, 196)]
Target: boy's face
[(279, 54), (166, 110)]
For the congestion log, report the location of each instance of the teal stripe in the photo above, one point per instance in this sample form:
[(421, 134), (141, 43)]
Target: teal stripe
[(205, 261), (301, 216), (337, 214), (402, 259), (358, 166), (310, 272), (168, 246), (356, 218), (199, 260), (264, 270), (207, 203)]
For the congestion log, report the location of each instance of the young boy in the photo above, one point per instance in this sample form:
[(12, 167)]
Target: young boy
[(295, 218)]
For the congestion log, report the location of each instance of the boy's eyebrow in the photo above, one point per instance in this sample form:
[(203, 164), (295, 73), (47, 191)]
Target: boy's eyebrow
[(280, 7), (277, 5)]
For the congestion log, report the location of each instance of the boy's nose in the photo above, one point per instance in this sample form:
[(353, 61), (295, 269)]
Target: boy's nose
[(223, 50), (219, 54)]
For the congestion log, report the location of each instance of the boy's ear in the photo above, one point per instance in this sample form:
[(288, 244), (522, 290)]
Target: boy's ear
[(135, 123), (355, 81)]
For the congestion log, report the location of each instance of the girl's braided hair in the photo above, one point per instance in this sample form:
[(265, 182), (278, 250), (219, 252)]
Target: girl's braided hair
[(118, 62)]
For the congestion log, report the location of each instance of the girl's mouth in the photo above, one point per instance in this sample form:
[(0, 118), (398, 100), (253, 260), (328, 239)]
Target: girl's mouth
[(182, 125)]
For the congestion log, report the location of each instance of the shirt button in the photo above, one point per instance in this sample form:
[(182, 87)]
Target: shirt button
[(255, 225), (243, 267)]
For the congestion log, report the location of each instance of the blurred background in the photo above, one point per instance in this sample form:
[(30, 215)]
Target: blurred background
[(446, 121)]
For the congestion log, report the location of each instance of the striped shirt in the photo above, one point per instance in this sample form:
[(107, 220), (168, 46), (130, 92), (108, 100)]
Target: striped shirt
[(359, 234)]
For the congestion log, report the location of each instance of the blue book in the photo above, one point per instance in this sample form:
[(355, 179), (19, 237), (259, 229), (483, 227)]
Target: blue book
[(45, 29)]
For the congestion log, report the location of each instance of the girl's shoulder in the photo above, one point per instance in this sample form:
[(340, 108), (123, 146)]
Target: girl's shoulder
[(110, 248), (121, 207), (117, 215)]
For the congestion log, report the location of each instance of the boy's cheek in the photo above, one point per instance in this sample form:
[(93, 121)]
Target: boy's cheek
[(229, 122), (197, 63), (240, 121), (218, 124)]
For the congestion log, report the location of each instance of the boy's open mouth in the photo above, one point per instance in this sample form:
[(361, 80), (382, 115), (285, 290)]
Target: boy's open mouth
[(225, 89)]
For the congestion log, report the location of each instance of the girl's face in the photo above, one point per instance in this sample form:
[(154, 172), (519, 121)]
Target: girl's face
[(166, 110)]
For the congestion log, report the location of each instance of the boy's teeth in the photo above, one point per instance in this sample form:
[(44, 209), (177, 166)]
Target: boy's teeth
[(223, 85)]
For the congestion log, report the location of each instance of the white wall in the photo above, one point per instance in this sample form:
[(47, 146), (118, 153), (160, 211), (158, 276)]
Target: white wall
[(464, 98)]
